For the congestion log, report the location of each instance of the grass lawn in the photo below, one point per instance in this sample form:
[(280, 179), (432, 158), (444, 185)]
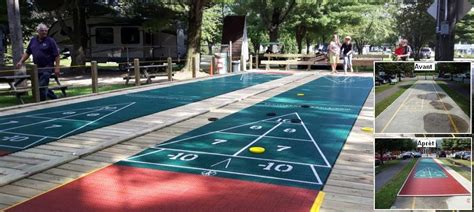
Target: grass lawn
[(462, 101), (466, 174), (387, 195), (383, 87), (382, 105), (385, 165), (6, 101)]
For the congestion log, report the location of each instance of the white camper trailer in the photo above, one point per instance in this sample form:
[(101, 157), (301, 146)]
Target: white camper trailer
[(114, 39)]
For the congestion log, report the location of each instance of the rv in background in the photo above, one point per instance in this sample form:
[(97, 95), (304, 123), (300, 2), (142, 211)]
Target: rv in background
[(113, 39)]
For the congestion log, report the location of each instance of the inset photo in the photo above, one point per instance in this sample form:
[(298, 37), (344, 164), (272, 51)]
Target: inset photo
[(423, 173), (423, 97)]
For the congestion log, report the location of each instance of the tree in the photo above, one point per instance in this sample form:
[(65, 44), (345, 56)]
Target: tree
[(212, 26), (366, 23), (16, 34), (272, 14), (456, 144), (395, 69), (416, 25), (385, 145), (465, 29)]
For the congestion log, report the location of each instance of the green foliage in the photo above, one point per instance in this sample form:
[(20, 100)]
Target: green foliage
[(385, 145), (456, 144), (212, 25), (416, 25), (465, 29)]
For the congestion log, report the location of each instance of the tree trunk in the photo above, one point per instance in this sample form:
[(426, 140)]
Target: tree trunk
[(196, 9), (16, 34), (308, 44), (299, 35), (2, 47), (79, 39)]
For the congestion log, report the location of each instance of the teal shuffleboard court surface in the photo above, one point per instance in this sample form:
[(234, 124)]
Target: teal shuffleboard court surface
[(428, 168), (26, 130), (302, 130)]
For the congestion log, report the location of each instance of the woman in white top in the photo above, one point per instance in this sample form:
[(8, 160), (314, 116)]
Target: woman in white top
[(334, 52)]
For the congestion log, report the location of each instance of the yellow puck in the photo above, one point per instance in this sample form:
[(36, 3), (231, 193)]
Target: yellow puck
[(300, 94), (367, 129), (257, 149)]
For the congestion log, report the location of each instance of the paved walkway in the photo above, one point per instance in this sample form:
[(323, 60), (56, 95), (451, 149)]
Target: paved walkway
[(386, 175), (379, 96), (423, 108)]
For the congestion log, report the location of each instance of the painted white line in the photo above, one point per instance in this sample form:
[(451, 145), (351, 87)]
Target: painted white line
[(10, 122), (85, 125), (54, 119), (33, 143), (314, 142), (409, 175), (26, 134), (316, 175), (274, 137), (227, 164), (221, 131), (24, 147), (254, 141), (149, 153), (239, 156), (228, 172), (62, 119)]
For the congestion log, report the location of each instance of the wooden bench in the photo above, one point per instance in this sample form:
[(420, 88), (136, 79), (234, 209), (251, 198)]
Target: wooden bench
[(145, 73)]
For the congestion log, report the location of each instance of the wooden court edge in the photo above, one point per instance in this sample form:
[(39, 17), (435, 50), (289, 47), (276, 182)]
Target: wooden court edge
[(113, 134), (350, 184)]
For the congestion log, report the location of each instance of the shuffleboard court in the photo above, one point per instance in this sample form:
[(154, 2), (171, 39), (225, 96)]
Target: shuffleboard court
[(25, 130), (428, 178), (423, 108), (302, 130)]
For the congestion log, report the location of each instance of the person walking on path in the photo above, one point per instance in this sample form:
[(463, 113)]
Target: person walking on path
[(334, 52), (46, 56), (346, 50)]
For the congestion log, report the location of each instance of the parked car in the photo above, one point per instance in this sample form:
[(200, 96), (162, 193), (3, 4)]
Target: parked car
[(377, 162), (425, 52), (379, 80), (442, 154), (417, 155), (466, 155), (458, 155), (406, 155)]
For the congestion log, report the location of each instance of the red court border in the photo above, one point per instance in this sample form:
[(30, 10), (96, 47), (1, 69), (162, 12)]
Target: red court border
[(126, 188), (450, 185)]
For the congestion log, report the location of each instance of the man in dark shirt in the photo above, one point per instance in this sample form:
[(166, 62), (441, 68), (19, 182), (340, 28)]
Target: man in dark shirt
[(46, 57), (346, 50)]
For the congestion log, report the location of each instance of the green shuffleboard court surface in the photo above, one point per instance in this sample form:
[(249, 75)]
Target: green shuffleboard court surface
[(302, 131), (428, 168), (25, 130)]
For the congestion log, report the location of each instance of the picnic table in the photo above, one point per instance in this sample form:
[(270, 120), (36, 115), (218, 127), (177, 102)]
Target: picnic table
[(146, 72), (17, 88)]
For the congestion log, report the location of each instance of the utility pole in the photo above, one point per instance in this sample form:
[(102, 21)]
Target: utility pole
[(448, 13), (16, 35)]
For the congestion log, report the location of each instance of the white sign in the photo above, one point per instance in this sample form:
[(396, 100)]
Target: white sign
[(433, 9), (424, 66), (426, 143)]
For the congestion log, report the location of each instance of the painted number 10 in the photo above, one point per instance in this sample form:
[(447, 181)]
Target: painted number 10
[(183, 157), (278, 167)]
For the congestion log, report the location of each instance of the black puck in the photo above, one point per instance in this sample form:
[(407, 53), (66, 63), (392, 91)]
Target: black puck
[(271, 114), (305, 106), (212, 119), (295, 121)]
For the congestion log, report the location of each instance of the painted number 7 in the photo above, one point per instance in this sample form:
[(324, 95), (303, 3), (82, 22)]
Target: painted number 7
[(281, 148), (218, 141)]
